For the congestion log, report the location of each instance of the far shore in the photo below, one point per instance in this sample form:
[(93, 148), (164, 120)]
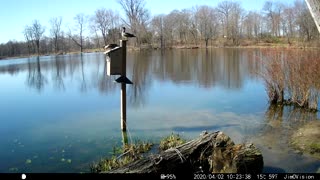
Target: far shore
[(189, 46)]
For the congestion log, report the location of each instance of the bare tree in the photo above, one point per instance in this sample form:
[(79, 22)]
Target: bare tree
[(273, 11), (28, 35), (137, 17), (225, 8), (104, 21), (78, 39), (169, 27), (157, 24), (236, 19), (232, 15), (94, 29), (252, 25), (257, 24), (34, 33), (207, 22), (46, 45), (182, 22), (248, 25), (287, 21), (38, 31), (56, 31)]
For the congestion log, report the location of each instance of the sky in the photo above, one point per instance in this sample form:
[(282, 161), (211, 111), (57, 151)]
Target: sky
[(16, 14)]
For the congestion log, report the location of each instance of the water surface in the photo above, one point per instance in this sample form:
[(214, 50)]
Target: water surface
[(62, 113)]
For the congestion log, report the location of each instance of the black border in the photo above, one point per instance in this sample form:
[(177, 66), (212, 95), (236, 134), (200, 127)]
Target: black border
[(106, 176)]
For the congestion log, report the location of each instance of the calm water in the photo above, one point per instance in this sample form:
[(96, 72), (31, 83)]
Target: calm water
[(61, 113)]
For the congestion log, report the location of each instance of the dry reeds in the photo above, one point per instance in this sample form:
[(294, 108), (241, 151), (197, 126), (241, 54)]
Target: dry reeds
[(292, 76)]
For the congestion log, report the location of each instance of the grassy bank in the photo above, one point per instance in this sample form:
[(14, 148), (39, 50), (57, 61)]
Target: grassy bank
[(132, 152)]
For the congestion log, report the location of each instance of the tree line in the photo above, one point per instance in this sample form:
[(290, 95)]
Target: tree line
[(227, 24)]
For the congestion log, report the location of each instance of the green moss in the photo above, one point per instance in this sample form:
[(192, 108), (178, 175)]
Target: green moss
[(315, 147), (173, 140)]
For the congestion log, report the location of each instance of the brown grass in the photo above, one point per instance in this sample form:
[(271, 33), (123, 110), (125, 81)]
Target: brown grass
[(292, 76)]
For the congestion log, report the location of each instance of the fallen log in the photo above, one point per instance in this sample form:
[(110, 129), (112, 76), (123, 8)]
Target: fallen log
[(210, 153)]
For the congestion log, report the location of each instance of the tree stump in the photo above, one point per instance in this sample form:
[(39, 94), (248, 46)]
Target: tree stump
[(210, 153)]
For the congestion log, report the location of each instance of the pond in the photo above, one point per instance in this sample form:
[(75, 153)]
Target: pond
[(62, 113)]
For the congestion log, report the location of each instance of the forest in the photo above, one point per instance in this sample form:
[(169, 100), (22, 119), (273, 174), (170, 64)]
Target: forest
[(227, 24)]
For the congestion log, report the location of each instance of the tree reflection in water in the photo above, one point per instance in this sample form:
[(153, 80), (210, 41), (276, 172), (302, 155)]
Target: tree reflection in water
[(35, 78), (141, 78), (60, 67), (280, 122), (204, 68)]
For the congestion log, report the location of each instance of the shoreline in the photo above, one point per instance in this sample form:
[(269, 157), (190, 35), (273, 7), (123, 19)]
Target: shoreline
[(190, 46)]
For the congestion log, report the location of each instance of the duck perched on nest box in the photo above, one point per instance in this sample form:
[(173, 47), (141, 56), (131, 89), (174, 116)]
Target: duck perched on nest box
[(126, 35)]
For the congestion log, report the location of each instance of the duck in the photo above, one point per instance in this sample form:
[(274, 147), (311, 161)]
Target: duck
[(125, 34)]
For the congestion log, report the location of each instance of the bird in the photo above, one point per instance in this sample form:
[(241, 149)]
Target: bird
[(110, 46), (125, 34)]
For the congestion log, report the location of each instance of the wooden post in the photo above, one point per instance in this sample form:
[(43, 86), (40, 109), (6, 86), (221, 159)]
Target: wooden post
[(124, 138), (123, 44)]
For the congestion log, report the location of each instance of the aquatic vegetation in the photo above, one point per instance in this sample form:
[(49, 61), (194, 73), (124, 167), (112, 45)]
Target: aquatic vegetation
[(171, 141), (13, 169), (315, 148), (291, 77), (28, 161), (121, 157)]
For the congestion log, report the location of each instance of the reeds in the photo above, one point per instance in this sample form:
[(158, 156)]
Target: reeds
[(292, 76)]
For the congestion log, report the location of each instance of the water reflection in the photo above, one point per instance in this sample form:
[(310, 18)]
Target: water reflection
[(60, 72), (207, 68), (35, 78), (280, 122), (104, 83), (275, 136), (83, 87), (227, 68), (185, 91), (141, 77)]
